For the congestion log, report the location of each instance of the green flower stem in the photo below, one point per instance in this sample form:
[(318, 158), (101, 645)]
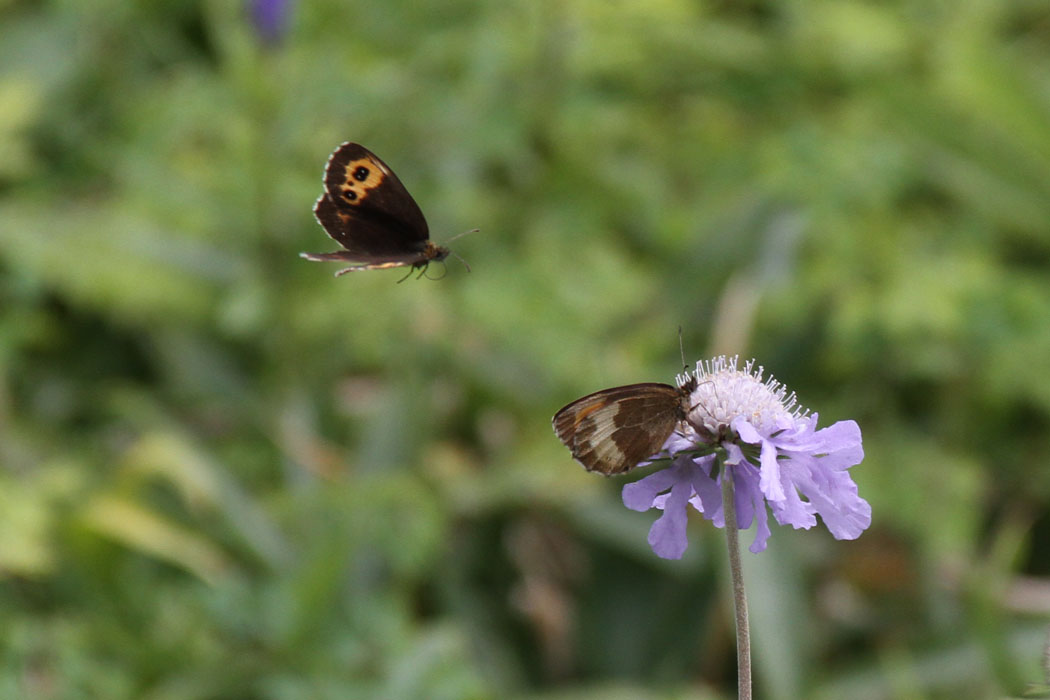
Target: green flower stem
[(743, 635)]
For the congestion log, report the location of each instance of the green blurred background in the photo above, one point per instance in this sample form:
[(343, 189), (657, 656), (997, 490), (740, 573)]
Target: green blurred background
[(226, 475)]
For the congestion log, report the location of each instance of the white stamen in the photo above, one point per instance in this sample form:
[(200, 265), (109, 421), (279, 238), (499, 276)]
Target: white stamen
[(724, 392)]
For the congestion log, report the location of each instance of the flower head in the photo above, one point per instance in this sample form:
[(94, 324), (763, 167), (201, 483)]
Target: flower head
[(753, 429), (270, 18)]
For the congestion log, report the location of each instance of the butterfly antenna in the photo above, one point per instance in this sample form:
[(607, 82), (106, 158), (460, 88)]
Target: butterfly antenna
[(460, 235), (681, 350), (459, 258), (685, 370)]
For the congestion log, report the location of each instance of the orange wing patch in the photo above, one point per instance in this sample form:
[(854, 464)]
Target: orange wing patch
[(585, 411), (360, 177)]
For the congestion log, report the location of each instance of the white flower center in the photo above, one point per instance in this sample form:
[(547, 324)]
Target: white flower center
[(724, 392)]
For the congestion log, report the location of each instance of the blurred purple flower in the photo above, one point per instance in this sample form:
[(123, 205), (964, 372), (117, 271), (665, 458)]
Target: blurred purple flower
[(776, 454), (270, 18)]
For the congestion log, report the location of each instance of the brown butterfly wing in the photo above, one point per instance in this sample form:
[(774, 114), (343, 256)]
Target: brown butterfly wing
[(364, 239), (376, 214), (611, 431)]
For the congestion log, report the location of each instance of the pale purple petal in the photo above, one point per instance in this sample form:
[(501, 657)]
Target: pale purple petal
[(801, 437), (792, 510), (769, 480), (710, 499), (845, 513), (667, 536), (750, 505), (838, 436), (745, 486), (640, 494), (770, 477), (745, 494), (795, 512), (762, 531), (845, 522), (708, 492), (841, 443), (746, 431), (679, 443)]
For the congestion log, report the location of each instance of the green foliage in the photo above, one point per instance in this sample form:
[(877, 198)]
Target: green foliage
[(225, 474)]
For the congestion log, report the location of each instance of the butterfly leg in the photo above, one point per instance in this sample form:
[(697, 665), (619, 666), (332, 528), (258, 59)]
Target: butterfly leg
[(444, 271)]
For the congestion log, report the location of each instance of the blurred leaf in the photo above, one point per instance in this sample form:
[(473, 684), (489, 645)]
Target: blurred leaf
[(150, 533), (29, 514)]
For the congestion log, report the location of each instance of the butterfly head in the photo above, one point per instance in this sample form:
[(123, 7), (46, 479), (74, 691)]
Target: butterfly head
[(434, 253)]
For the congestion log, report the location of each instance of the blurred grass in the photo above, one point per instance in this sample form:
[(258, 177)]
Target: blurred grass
[(225, 474)]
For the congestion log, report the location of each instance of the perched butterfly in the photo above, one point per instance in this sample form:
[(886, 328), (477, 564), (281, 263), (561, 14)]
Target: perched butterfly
[(612, 430), (367, 210)]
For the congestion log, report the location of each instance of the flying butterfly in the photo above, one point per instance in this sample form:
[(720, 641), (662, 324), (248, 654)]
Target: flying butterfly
[(612, 430), (367, 210)]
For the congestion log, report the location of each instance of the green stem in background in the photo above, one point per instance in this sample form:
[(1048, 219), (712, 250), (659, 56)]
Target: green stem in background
[(743, 634)]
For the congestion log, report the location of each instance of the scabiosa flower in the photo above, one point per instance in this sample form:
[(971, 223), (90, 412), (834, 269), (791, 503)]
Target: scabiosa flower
[(270, 18), (739, 422)]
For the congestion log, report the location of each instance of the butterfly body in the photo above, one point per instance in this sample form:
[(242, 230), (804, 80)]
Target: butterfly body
[(612, 430), (367, 211)]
